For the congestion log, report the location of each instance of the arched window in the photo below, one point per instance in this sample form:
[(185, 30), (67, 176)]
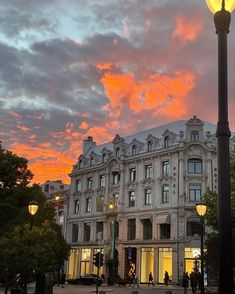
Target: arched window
[(194, 166), (103, 157)]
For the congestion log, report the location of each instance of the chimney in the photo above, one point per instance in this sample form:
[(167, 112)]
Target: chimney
[(88, 144)]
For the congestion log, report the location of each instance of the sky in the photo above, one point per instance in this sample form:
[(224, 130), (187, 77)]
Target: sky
[(76, 68)]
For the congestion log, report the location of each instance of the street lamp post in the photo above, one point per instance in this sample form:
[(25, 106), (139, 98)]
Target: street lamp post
[(32, 208), (201, 211), (112, 210), (222, 19)]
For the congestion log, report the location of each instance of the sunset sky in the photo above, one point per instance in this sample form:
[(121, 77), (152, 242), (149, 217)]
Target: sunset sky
[(74, 68)]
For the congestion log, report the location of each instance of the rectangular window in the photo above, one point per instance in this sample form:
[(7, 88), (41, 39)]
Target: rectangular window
[(195, 192), (147, 229), (165, 231), (89, 182), (100, 204), (131, 198), (87, 232), (116, 178), (166, 168), (88, 205), (132, 174), (147, 264), (131, 229), (79, 185), (147, 197), (99, 231), (165, 193), (116, 198), (164, 263), (195, 166), (102, 180), (194, 136), (74, 233), (76, 206), (148, 171)]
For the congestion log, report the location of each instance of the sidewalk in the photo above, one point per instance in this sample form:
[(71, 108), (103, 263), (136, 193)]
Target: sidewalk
[(104, 289)]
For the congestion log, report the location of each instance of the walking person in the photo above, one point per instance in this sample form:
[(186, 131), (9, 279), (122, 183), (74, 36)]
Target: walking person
[(166, 278), (185, 282), (136, 282), (151, 279), (193, 282)]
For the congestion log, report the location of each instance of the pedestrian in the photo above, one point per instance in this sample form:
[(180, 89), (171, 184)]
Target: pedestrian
[(166, 278), (136, 282), (185, 282), (193, 282), (151, 279), (62, 280)]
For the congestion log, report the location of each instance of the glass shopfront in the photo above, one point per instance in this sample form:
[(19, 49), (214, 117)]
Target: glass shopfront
[(192, 259), (164, 263), (85, 261), (147, 264), (95, 269), (73, 264)]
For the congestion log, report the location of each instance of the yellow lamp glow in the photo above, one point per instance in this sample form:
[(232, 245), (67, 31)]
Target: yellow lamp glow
[(201, 209), (216, 5), (57, 197), (111, 206), (33, 207)]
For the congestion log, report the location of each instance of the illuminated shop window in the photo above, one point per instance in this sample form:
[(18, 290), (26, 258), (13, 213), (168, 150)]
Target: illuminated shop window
[(192, 259), (73, 264), (165, 263), (85, 261), (147, 264)]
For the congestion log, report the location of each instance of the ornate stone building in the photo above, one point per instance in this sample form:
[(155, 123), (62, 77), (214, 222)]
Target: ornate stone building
[(154, 178)]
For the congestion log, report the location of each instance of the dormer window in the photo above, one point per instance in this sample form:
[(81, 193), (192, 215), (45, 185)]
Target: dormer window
[(194, 136), (80, 164), (91, 160), (117, 152), (150, 146), (166, 141), (134, 150), (103, 157)]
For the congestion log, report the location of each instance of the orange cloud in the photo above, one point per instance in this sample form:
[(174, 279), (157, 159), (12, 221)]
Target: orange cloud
[(158, 92), (187, 30), (84, 125), (103, 66)]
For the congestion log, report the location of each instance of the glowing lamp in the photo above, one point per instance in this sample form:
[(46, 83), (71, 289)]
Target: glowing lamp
[(216, 5), (33, 207), (201, 209), (111, 206), (57, 197)]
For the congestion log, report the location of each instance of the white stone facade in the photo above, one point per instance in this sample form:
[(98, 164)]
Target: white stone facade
[(155, 178)]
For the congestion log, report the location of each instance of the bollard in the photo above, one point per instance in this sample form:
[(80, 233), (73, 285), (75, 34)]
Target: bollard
[(134, 292), (168, 292), (102, 292)]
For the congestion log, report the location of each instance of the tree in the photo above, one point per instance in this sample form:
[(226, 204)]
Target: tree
[(24, 250), (210, 199)]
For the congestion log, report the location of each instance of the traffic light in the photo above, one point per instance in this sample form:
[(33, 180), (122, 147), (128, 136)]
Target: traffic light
[(98, 259), (94, 259)]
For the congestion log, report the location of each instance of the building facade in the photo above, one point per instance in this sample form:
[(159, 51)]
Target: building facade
[(154, 179), (57, 194)]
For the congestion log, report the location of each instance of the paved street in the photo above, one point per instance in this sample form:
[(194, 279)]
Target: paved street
[(71, 289)]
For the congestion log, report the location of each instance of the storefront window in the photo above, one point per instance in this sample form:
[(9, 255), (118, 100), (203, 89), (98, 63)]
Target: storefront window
[(147, 264), (95, 269), (73, 264), (85, 261), (192, 259), (165, 263)]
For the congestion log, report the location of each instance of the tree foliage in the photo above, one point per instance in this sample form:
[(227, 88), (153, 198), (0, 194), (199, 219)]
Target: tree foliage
[(23, 250), (210, 199)]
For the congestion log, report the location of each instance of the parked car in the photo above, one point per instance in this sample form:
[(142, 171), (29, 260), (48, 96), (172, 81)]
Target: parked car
[(86, 279)]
